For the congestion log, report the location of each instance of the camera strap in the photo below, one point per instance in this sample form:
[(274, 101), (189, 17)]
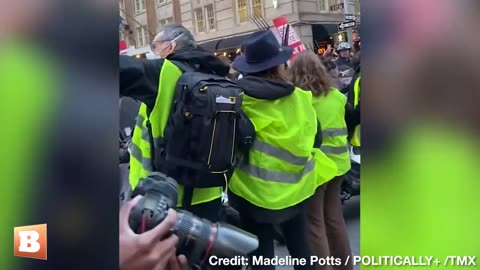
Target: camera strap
[(225, 192), (188, 195)]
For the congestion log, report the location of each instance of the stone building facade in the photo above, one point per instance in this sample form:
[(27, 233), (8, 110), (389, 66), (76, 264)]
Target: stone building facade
[(229, 20)]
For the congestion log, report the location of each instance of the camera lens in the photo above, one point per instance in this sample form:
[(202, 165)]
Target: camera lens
[(199, 239)]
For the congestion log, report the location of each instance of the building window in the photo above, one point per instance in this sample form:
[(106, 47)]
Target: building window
[(122, 8), (146, 37), (357, 7), (161, 2), (142, 37), (166, 21), (242, 11), (200, 22), (257, 10), (139, 6), (323, 5), (249, 8), (210, 17)]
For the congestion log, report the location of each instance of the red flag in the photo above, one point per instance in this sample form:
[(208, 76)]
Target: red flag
[(123, 45), (293, 41)]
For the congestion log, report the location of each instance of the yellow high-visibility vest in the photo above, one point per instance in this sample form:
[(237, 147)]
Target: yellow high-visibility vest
[(330, 111), (140, 159), (355, 140), (283, 169)]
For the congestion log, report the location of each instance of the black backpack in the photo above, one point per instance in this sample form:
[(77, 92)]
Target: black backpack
[(205, 132)]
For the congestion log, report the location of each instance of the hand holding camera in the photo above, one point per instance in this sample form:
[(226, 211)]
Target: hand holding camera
[(152, 250), (196, 238)]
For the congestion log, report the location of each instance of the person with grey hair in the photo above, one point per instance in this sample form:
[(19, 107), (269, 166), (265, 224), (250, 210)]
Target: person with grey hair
[(139, 78), (170, 37), (153, 83)]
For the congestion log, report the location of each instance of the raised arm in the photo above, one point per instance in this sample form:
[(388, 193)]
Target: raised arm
[(139, 79)]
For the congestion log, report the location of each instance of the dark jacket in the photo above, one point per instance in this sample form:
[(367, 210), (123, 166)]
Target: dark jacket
[(268, 89), (139, 79), (128, 113), (344, 62)]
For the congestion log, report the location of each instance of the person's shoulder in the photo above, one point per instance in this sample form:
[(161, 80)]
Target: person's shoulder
[(337, 95), (301, 91), (334, 91)]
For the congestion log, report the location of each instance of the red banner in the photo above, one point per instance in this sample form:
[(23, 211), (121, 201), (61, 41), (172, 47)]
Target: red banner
[(292, 40), (123, 45)]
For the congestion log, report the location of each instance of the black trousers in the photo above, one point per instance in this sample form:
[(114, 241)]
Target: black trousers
[(296, 240)]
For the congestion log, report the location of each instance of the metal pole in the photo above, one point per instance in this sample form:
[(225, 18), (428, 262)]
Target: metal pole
[(348, 9), (286, 35), (267, 26), (256, 23)]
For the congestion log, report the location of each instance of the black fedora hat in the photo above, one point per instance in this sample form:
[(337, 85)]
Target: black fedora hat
[(262, 52)]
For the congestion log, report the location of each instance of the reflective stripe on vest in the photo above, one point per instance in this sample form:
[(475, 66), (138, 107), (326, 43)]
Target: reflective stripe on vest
[(332, 132), (139, 150), (278, 153), (136, 153), (330, 111), (144, 129), (280, 177), (282, 169), (140, 165), (334, 150), (274, 176)]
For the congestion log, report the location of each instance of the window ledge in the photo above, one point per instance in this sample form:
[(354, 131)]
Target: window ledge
[(159, 5)]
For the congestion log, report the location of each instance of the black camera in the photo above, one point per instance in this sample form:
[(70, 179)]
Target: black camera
[(198, 238)]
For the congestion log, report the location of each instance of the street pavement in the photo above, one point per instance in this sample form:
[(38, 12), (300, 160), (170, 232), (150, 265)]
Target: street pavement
[(351, 213)]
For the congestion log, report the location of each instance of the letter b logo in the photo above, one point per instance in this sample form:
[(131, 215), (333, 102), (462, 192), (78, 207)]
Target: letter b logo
[(31, 241)]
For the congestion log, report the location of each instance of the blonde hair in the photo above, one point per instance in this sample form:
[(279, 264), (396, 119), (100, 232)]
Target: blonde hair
[(308, 73)]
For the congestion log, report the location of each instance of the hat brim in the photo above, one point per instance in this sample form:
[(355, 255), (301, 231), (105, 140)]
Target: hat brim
[(240, 64)]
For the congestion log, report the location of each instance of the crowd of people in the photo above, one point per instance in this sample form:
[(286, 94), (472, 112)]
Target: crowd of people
[(304, 119)]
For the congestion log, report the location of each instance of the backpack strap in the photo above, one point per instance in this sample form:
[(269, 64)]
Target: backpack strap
[(187, 191), (152, 144), (183, 66)]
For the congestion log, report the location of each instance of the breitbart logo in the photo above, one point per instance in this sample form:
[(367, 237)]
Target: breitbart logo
[(30, 241)]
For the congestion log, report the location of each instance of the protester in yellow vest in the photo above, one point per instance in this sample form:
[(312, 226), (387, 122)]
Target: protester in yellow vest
[(327, 229), (283, 168), (354, 98), (153, 83)]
